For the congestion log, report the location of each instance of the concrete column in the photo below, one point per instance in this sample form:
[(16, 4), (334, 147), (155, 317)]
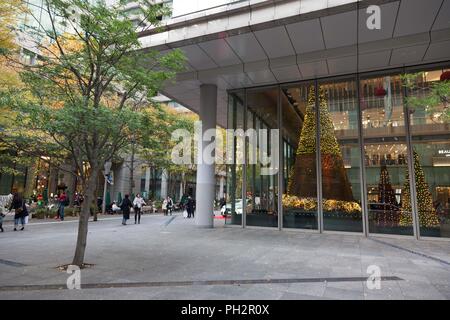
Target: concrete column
[(181, 190), (147, 180), (164, 183), (221, 187), (205, 191)]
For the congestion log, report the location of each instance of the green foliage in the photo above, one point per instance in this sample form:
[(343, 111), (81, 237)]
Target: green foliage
[(155, 141), (84, 100), (433, 97)]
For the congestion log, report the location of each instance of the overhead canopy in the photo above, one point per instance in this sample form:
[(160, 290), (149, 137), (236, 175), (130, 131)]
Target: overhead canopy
[(255, 43)]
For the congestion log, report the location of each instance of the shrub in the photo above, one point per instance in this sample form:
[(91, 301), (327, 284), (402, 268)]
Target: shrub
[(40, 213), (70, 212), (52, 213)]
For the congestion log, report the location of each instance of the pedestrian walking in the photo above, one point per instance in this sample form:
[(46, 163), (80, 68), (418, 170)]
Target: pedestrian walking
[(63, 201), (190, 207), (138, 202), (164, 206), (125, 206), (20, 211), (169, 205), (1, 221)]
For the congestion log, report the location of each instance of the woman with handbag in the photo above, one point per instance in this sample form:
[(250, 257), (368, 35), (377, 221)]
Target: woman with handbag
[(20, 211)]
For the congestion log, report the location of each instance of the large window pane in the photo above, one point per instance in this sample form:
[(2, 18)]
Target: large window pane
[(387, 179), (234, 202), (262, 154), (430, 132), (299, 135), (340, 156)]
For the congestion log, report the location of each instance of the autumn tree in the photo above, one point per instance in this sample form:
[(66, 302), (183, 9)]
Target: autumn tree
[(156, 142), (85, 88)]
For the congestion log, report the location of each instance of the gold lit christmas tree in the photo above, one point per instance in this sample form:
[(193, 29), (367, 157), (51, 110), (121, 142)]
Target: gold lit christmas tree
[(427, 214), (386, 198), (336, 188)]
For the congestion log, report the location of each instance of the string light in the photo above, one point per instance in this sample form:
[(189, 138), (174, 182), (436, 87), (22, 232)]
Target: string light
[(427, 214)]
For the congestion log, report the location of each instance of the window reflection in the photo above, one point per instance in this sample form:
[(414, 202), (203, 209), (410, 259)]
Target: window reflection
[(385, 155)]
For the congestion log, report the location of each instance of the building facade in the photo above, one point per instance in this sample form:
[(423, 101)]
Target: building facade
[(332, 78)]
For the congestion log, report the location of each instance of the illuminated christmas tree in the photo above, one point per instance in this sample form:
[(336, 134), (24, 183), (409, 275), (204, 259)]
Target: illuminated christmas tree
[(427, 214), (335, 183), (386, 196)]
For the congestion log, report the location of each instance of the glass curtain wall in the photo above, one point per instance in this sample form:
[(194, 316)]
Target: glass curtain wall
[(340, 156), (261, 205), (403, 116), (300, 176), (430, 132)]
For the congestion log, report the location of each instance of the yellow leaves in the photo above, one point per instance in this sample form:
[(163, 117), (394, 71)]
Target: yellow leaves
[(9, 11), (9, 78), (69, 43)]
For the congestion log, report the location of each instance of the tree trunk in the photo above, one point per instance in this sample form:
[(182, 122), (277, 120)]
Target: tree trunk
[(73, 181), (94, 200), (89, 195)]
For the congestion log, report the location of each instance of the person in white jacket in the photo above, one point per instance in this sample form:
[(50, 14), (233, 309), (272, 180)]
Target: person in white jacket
[(138, 202)]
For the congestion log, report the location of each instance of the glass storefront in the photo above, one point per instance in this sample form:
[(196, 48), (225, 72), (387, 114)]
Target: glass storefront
[(356, 155)]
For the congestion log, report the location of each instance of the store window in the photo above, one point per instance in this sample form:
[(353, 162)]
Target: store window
[(234, 202), (385, 152), (340, 156), (261, 205), (300, 179), (430, 130)]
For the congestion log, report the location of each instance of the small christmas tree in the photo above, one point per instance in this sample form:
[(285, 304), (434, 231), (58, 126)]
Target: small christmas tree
[(386, 196), (427, 214)]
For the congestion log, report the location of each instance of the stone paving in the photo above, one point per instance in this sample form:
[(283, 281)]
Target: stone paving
[(144, 262)]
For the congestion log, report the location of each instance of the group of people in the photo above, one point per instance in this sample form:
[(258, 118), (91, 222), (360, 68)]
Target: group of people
[(126, 205), (167, 206), (21, 212), (189, 207)]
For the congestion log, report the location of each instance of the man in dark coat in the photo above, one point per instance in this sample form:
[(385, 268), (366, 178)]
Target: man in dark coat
[(125, 206), (190, 207)]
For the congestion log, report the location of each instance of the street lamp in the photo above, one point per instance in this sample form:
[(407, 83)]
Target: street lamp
[(107, 168)]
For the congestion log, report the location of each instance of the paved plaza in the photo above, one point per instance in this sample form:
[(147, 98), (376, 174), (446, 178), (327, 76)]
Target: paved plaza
[(169, 258)]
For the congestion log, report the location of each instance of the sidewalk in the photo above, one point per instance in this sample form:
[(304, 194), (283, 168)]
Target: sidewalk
[(170, 258)]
